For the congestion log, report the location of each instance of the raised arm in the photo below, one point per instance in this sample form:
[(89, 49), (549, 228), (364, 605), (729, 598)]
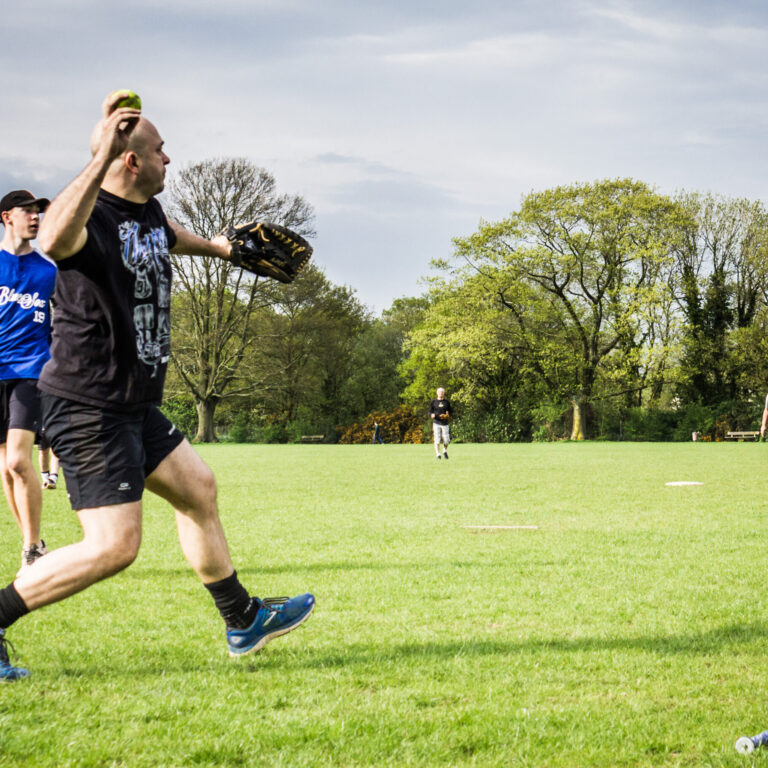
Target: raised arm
[(62, 231)]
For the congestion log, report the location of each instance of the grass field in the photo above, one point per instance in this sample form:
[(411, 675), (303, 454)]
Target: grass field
[(629, 629)]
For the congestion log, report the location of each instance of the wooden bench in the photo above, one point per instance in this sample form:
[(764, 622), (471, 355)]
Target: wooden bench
[(312, 438), (748, 435)]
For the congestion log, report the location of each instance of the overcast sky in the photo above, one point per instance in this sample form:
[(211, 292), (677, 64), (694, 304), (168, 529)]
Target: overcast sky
[(402, 123)]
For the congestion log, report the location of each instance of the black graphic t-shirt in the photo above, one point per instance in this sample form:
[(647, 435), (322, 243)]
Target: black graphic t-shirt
[(440, 408), (111, 338)]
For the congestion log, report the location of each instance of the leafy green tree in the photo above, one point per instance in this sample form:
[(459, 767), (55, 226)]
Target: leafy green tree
[(374, 383), (721, 284), (375, 380), (467, 342), (305, 351), (214, 303), (749, 362), (578, 269)]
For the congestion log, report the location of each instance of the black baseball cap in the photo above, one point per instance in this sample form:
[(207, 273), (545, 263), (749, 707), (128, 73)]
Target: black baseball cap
[(22, 197)]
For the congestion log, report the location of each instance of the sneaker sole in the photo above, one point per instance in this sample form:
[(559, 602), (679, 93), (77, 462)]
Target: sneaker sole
[(264, 640)]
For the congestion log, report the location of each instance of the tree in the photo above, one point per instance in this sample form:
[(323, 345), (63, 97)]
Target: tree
[(214, 302), (305, 350), (375, 381), (577, 269), (467, 341), (722, 282), (750, 361)]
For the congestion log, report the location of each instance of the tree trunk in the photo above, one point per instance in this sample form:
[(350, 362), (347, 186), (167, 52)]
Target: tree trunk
[(577, 432), (205, 430)]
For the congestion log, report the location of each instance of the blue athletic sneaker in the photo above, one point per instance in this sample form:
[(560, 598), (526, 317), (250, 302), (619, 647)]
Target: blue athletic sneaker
[(9, 673), (276, 616)]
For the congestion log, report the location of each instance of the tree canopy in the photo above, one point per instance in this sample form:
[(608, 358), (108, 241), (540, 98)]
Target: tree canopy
[(601, 309)]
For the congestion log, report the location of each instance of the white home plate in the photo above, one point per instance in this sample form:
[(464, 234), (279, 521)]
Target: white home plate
[(684, 482), (491, 528)]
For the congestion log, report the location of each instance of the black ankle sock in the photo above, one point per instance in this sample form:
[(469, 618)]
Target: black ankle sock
[(12, 607), (233, 601)]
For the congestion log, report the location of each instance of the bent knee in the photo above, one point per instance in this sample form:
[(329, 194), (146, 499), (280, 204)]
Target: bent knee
[(19, 465), (204, 489), (115, 554), (206, 479), (118, 559)]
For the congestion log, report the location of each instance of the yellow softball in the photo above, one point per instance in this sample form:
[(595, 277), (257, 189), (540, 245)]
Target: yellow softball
[(130, 99)]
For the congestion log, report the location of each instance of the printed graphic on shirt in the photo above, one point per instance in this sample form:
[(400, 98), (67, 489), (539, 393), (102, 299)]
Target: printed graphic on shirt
[(29, 301), (26, 283), (24, 300), (147, 257)]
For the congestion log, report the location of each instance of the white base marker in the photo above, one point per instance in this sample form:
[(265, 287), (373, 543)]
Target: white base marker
[(478, 528)]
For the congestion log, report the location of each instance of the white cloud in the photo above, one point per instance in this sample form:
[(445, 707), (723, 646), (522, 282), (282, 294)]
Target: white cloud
[(423, 116), (509, 52)]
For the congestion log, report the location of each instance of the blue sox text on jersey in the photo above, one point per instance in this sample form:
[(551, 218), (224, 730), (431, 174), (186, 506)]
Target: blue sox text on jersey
[(26, 285)]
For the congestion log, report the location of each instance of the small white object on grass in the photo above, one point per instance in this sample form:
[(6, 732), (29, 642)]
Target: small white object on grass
[(478, 528)]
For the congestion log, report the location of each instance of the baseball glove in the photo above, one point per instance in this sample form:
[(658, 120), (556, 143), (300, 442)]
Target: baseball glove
[(268, 250)]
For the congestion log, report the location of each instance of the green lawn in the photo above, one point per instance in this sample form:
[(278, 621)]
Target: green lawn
[(629, 629)]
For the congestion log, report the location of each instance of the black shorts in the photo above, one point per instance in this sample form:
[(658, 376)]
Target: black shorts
[(41, 440), (19, 406), (106, 454)]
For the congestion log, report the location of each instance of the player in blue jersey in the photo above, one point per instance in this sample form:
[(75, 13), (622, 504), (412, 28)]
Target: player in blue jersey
[(27, 280)]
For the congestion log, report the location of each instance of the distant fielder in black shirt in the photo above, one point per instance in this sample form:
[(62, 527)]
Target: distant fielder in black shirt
[(440, 413), (104, 382)]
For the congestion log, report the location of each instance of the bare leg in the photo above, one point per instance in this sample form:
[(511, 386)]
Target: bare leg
[(111, 539), (49, 467), (8, 485), (44, 458), (187, 483), (20, 477), (44, 462)]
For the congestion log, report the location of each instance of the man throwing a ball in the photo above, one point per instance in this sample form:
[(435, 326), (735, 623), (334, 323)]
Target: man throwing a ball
[(102, 386)]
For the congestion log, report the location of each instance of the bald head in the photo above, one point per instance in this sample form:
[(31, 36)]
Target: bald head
[(143, 135), (138, 173)]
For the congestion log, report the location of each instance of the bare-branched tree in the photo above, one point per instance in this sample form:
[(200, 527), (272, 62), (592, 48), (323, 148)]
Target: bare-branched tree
[(214, 302)]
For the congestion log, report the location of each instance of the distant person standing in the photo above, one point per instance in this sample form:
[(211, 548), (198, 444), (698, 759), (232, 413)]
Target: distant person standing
[(440, 413), (27, 280), (376, 434)]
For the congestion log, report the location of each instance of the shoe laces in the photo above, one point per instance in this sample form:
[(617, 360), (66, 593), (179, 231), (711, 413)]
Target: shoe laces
[(272, 602), (5, 644)]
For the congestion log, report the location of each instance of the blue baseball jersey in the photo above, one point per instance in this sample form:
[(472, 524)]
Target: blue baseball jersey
[(26, 285)]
